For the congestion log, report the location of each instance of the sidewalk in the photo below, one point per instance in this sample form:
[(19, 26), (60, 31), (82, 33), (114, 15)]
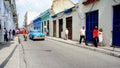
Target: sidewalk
[(106, 49), (9, 54)]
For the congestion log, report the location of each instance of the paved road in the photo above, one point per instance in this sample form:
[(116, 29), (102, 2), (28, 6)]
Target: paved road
[(54, 54)]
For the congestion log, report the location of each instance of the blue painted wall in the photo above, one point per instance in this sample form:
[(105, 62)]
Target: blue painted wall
[(38, 24)]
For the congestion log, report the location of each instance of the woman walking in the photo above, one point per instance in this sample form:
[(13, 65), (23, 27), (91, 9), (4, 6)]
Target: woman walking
[(100, 36)]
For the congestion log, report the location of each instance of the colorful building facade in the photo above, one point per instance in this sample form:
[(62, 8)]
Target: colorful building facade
[(102, 13), (66, 17), (38, 25), (8, 17), (45, 18)]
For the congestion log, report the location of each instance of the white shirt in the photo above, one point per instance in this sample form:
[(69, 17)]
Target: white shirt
[(3, 31), (82, 32), (100, 36), (66, 31)]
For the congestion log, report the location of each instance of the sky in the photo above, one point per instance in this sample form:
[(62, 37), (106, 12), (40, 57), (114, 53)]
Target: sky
[(32, 5)]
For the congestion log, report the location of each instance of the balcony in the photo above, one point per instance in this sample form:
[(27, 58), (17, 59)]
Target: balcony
[(87, 2)]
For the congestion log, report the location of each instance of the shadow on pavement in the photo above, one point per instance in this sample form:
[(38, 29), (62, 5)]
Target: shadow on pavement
[(8, 58), (6, 44), (38, 40)]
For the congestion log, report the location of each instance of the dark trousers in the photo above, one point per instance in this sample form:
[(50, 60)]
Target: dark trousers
[(96, 40), (82, 37), (5, 37), (25, 37)]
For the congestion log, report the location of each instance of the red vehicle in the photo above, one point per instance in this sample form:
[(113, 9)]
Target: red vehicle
[(20, 31)]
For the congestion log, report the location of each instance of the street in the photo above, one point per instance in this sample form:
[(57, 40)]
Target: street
[(74, 33), (53, 54)]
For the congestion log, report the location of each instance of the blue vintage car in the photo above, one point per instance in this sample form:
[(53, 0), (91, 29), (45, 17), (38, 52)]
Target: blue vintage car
[(36, 34)]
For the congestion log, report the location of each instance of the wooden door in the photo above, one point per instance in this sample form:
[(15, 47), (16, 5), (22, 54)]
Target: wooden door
[(69, 26), (54, 28)]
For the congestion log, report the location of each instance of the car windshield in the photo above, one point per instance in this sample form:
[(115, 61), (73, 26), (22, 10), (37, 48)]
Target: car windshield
[(35, 31)]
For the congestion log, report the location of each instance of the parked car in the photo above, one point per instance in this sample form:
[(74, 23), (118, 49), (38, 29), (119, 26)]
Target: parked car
[(20, 31), (36, 34)]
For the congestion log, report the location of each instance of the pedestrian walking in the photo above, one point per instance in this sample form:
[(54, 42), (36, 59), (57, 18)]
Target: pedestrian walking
[(17, 31), (100, 36), (82, 35), (66, 34), (5, 35), (10, 34), (110, 41), (25, 34), (95, 36), (47, 32), (13, 32)]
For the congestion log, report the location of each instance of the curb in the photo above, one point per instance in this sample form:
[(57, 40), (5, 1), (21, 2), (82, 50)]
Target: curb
[(101, 50), (23, 52)]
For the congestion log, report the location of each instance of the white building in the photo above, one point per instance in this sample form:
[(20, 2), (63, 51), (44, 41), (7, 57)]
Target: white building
[(8, 16), (63, 20), (31, 26), (29, 16), (90, 13), (66, 17), (60, 5), (102, 13)]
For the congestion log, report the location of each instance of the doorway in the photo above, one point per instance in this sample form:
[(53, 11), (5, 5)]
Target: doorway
[(116, 26), (91, 22), (54, 28), (69, 27), (60, 27), (48, 28)]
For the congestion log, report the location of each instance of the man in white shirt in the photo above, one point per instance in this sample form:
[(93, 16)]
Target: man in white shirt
[(66, 33), (82, 35)]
